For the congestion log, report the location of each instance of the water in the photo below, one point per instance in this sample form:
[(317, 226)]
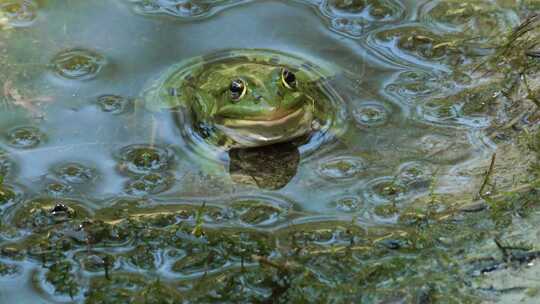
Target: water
[(76, 131)]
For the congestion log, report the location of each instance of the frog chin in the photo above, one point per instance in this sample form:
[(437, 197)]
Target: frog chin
[(254, 133)]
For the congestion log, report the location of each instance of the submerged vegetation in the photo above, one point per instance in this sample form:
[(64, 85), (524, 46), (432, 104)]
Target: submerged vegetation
[(424, 256)]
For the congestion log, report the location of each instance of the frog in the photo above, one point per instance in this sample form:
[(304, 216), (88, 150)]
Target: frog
[(246, 98)]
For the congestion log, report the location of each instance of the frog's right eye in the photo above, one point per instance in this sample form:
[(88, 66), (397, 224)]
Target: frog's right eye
[(238, 89), (288, 79)]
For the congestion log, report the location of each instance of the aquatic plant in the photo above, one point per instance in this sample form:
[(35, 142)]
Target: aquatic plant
[(516, 57)]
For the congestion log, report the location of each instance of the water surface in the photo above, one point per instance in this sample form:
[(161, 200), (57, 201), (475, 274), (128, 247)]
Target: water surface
[(74, 119)]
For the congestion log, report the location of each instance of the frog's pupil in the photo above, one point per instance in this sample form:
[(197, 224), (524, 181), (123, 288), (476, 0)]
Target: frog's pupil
[(237, 88), (289, 77)]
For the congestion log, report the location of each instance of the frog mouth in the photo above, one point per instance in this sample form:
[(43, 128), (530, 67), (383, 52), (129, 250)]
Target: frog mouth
[(230, 113), (275, 120), (252, 133)]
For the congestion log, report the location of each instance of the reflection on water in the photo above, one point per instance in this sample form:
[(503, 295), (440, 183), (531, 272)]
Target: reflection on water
[(268, 167), (108, 186)]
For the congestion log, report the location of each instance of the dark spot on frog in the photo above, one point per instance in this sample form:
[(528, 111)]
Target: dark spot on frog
[(174, 92)]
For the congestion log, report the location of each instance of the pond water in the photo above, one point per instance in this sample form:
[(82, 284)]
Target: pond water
[(104, 193)]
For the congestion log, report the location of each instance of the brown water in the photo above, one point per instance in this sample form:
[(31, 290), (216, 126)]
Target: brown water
[(73, 132)]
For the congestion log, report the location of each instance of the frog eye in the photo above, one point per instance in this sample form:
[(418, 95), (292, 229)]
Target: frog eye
[(238, 89), (288, 79)]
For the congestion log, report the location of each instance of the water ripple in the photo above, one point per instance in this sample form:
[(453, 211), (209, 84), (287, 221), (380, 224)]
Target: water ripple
[(78, 64), (19, 13), (183, 9), (341, 167), (371, 114), (353, 18), (480, 18), (142, 158), (25, 137), (114, 104)]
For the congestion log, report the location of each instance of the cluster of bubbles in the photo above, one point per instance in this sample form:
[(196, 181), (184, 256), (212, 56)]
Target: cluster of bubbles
[(482, 18), (148, 167), (371, 114), (75, 173), (69, 178), (19, 13), (417, 85), (342, 167), (358, 18), (181, 8), (352, 18), (114, 104), (25, 137), (367, 193), (440, 49), (71, 64), (78, 64), (385, 194)]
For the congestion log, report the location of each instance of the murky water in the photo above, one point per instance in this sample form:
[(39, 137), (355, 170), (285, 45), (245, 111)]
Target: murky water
[(82, 151)]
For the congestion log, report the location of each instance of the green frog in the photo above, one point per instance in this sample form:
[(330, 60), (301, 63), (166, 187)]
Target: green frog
[(247, 98)]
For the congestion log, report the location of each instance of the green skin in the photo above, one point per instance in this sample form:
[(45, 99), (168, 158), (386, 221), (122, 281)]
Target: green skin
[(269, 112)]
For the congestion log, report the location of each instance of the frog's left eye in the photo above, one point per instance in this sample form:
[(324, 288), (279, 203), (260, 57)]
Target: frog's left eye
[(238, 89), (288, 79)]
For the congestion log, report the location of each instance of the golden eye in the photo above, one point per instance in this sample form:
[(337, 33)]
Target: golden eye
[(288, 79), (238, 89)]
